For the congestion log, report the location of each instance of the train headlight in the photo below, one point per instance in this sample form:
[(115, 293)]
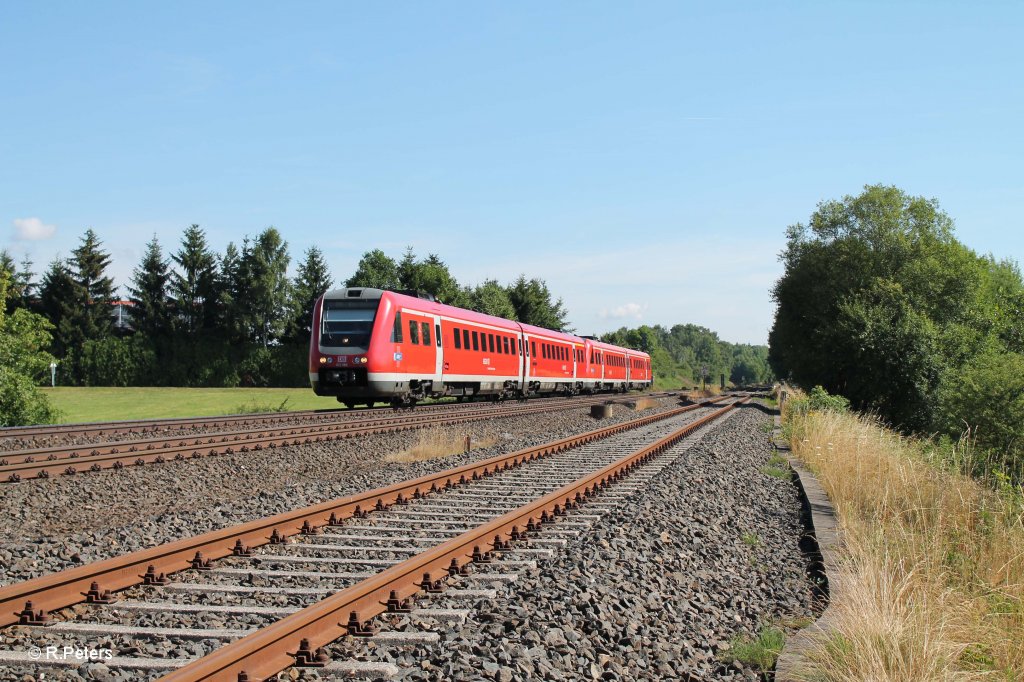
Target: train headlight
[(361, 360), (323, 360)]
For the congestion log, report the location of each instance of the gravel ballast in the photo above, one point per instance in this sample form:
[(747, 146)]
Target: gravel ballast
[(657, 589), (49, 525)]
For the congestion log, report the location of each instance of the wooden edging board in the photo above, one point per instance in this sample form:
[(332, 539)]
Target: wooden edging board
[(792, 665)]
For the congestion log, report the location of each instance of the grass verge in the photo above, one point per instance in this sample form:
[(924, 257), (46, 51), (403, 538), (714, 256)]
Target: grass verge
[(932, 560), (92, 404)]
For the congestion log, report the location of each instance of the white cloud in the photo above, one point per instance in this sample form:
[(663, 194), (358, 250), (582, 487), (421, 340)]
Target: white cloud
[(33, 229), (632, 310)]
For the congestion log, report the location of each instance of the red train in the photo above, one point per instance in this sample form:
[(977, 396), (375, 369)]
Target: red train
[(370, 345)]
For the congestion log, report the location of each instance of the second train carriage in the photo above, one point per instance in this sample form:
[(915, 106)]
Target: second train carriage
[(370, 345)]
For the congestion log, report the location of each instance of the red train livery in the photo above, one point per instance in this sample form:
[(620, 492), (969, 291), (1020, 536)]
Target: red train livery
[(371, 345)]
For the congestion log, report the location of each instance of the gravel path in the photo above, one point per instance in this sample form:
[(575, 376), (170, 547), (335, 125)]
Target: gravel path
[(49, 525), (655, 591)]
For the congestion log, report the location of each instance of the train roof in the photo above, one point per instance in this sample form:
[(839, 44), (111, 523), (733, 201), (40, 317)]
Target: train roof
[(425, 304)]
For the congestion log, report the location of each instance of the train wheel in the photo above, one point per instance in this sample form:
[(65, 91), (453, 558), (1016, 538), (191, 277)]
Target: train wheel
[(370, 403), (350, 404)]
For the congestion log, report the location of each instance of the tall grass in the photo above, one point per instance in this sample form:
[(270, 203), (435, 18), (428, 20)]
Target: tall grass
[(932, 567)]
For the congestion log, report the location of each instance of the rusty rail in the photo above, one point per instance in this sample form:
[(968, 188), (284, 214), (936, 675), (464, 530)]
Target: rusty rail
[(64, 460), (72, 586), (272, 649)]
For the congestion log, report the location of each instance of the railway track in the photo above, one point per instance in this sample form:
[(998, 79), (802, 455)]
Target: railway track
[(47, 462), (268, 594), (155, 426)]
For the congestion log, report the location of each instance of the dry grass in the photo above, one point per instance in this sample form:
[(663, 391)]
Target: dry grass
[(434, 442), (641, 404), (933, 561), (698, 395)]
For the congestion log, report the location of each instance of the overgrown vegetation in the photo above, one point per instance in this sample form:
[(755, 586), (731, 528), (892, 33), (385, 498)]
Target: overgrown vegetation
[(881, 304), (932, 558)]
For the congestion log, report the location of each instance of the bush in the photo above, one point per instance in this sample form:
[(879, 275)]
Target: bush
[(987, 400), (818, 400), (21, 403)]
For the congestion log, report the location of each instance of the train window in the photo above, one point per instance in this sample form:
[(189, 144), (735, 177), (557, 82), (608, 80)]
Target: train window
[(348, 323), (520, 340), (437, 334), (476, 341), (425, 329), (458, 338), (414, 332), (533, 348), (396, 332), (490, 342), (465, 339), (505, 345), (544, 350)]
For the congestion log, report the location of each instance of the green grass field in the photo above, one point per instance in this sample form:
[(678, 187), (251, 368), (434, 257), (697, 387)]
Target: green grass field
[(112, 404)]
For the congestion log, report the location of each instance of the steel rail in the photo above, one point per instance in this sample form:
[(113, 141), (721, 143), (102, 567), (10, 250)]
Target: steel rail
[(158, 425), (74, 585), (63, 460), (273, 648)]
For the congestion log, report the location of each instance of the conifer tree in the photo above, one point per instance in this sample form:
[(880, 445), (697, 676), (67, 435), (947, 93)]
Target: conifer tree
[(312, 280), (94, 290), (263, 275), (58, 299), (533, 305), (195, 287), (152, 314)]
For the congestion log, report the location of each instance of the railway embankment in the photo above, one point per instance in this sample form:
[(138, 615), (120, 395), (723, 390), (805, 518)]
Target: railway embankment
[(930, 560)]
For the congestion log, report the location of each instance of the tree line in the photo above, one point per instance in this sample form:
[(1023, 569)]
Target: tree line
[(879, 302), (680, 353)]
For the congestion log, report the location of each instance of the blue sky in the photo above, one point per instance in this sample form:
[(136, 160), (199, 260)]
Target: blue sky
[(643, 158)]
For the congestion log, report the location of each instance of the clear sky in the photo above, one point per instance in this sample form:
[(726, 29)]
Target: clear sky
[(643, 158)]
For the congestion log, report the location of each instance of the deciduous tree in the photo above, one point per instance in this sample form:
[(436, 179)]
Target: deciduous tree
[(377, 271)]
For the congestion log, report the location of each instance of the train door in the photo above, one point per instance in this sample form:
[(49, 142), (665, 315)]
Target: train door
[(439, 353), (523, 360)]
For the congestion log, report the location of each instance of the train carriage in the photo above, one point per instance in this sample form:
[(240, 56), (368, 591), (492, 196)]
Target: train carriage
[(370, 345)]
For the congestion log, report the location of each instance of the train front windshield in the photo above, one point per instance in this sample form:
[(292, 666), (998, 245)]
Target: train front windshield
[(347, 324)]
